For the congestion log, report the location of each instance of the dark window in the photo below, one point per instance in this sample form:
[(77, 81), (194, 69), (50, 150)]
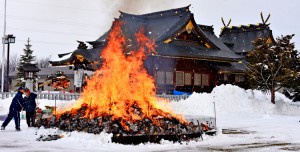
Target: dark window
[(41, 86), (197, 79), (242, 78), (225, 77), (239, 78), (187, 78), (179, 78), (205, 80), (169, 78), (160, 77)]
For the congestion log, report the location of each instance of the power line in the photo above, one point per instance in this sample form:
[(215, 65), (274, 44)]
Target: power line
[(15, 17), (49, 32), (50, 43)]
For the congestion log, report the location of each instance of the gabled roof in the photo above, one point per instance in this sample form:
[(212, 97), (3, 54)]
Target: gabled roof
[(159, 25), (44, 72), (162, 26), (87, 54), (241, 37)]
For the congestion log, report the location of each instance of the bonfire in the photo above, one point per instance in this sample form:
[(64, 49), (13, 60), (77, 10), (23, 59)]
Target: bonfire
[(121, 99)]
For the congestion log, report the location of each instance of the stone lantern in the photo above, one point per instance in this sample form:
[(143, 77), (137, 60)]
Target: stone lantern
[(30, 74)]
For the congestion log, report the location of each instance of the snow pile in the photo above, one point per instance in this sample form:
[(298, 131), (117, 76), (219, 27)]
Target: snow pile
[(233, 99), (248, 110), (228, 99)]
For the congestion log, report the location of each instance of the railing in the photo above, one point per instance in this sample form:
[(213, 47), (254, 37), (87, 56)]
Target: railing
[(58, 96), (74, 96), (5, 95), (173, 97), (49, 96)]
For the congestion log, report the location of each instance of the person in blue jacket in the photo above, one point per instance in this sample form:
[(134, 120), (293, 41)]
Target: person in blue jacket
[(16, 106), (30, 106)]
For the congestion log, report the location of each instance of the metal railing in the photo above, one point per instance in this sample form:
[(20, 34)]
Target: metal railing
[(75, 96), (49, 96), (58, 96), (173, 97), (5, 95)]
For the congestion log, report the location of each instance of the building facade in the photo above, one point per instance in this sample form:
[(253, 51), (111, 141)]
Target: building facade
[(189, 57)]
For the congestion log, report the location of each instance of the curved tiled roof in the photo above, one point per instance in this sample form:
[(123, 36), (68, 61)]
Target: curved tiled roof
[(44, 72), (241, 37), (160, 26)]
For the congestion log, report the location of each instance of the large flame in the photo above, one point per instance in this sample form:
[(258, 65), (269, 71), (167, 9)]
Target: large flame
[(122, 85)]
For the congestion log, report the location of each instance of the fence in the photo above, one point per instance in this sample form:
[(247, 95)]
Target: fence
[(49, 96), (74, 96), (173, 97)]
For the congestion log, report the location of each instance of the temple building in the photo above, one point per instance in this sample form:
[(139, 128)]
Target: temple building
[(189, 57), (239, 38)]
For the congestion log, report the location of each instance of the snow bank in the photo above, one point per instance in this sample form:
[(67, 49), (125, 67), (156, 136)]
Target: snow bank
[(228, 99), (233, 99)]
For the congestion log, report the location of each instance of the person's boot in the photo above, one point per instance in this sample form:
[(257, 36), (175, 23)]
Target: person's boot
[(2, 128), (18, 129)]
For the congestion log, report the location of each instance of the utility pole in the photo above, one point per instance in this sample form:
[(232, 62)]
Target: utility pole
[(3, 53), (7, 68)]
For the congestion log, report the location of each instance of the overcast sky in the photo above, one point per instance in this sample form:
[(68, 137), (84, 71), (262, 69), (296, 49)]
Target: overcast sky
[(54, 25)]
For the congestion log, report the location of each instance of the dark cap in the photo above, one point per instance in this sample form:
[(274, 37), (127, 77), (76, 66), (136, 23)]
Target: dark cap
[(20, 88)]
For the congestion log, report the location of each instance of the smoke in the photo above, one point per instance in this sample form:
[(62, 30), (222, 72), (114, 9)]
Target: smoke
[(99, 12), (140, 6), (110, 9)]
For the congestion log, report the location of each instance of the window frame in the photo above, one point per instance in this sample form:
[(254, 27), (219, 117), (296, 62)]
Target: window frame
[(242, 78), (172, 78), (236, 78), (226, 76), (208, 78), (200, 79), (176, 82), (163, 78), (190, 80)]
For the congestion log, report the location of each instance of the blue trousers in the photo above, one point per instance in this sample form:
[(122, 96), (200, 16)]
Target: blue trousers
[(12, 114)]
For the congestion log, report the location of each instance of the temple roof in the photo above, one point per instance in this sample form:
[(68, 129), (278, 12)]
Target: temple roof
[(30, 68), (164, 27), (240, 38), (48, 71)]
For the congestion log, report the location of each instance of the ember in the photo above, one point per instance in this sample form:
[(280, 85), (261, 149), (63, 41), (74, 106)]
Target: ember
[(120, 97)]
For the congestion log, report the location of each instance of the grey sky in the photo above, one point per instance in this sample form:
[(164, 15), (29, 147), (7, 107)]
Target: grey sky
[(55, 25)]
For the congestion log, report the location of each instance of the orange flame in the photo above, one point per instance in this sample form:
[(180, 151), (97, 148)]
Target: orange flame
[(122, 85)]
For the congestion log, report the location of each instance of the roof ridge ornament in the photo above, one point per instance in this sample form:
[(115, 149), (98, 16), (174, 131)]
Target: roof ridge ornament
[(81, 45), (226, 25), (263, 20)]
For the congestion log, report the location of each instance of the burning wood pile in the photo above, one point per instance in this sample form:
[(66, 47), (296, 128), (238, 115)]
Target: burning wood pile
[(120, 98), (124, 131)]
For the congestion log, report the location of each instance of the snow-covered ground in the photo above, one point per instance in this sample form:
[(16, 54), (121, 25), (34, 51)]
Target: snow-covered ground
[(249, 120)]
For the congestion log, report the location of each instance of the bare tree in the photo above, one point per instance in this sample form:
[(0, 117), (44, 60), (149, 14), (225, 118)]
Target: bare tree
[(13, 62), (43, 62)]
